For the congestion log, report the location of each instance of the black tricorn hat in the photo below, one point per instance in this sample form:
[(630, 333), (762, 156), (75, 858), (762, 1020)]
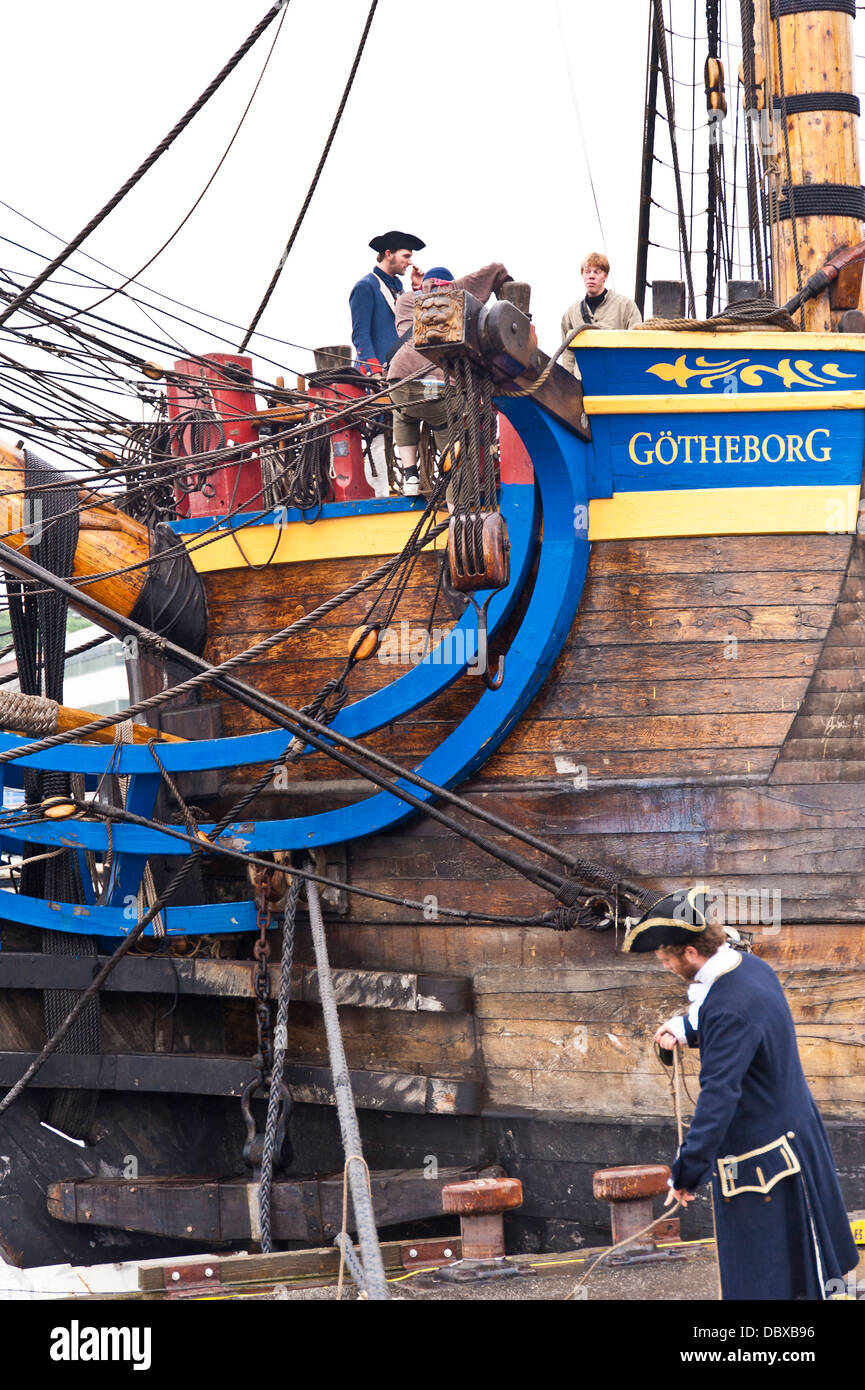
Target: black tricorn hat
[(675, 920), (397, 241)]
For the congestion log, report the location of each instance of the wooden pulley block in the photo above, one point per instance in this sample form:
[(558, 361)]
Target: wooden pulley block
[(276, 882), (759, 94), (57, 808), (713, 80), (451, 459), (495, 567), (365, 641)]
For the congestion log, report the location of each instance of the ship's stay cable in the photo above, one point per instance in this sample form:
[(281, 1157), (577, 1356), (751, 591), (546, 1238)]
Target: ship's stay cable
[(85, 999), (213, 460), (147, 164), (573, 90), (792, 192), (112, 814), (339, 747), (139, 303), (755, 221), (179, 228), (312, 187), (663, 59)]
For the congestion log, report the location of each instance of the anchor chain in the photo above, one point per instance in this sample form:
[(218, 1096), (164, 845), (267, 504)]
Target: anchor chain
[(263, 1058)]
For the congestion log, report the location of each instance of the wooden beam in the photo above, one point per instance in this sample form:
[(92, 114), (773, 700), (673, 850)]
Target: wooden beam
[(283, 1265), (367, 989), (201, 1210), (182, 1074)]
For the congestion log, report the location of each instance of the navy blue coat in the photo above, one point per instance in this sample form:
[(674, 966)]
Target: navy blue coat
[(788, 1239), (372, 321)]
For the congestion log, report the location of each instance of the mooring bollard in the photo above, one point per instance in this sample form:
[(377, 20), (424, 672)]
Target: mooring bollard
[(629, 1192), (480, 1205)]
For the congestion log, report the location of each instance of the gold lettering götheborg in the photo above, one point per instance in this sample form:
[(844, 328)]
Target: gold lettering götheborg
[(670, 448)]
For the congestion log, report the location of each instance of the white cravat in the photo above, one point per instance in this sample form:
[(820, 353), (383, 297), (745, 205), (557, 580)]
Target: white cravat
[(724, 959)]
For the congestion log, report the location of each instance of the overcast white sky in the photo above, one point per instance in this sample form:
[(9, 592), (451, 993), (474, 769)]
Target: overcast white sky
[(462, 126)]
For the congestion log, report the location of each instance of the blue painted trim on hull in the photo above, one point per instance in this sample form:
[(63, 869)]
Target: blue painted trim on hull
[(561, 467), (746, 449)]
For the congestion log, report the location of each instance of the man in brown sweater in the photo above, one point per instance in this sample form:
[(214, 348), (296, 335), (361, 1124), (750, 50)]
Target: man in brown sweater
[(602, 308), (423, 399)]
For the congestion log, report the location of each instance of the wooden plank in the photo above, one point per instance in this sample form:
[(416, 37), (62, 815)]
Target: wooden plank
[(607, 1051), (685, 660), (643, 764), (637, 1096), (227, 1076), (208, 1211), (599, 810), (647, 592), (687, 555), (728, 851), (435, 1044), (233, 979), (795, 769), (283, 1264), (661, 731), (735, 694), (712, 624)]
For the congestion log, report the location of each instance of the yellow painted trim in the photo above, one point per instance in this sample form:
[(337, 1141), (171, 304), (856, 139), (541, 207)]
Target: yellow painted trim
[(665, 338), (330, 538), (704, 403), (747, 511)]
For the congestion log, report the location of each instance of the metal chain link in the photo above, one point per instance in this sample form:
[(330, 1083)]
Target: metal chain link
[(279, 1097), (263, 1059)]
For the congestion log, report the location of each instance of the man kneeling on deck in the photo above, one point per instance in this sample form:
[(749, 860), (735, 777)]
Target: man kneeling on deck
[(423, 399), (781, 1225)]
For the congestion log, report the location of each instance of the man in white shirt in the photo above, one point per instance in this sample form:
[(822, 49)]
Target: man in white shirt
[(781, 1224)]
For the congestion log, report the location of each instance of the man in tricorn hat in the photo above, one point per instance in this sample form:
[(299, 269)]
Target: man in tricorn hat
[(781, 1225), (373, 330), (373, 298)]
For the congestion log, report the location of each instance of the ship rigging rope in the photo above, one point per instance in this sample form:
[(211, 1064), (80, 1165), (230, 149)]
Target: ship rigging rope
[(755, 222), (225, 458), (663, 58), (337, 746), (215, 318), (312, 187), (740, 317), (147, 164), (375, 1284), (130, 278), (774, 201), (111, 813), (174, 884)]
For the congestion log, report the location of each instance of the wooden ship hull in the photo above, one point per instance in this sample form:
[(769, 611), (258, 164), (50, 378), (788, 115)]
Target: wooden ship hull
[(683, 700)]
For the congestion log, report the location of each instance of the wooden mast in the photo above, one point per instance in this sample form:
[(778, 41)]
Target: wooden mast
[(808, 53)]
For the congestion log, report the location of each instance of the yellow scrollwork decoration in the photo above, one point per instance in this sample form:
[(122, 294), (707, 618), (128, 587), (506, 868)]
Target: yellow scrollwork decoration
[(798, 373)]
